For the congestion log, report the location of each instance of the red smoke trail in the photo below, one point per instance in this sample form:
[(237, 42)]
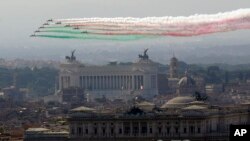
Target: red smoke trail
[(161, 26)]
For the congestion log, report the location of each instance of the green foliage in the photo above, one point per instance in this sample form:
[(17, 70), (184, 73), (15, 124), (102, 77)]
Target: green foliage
[(40, 82), (219, 74), (5, 77), (199, 97)]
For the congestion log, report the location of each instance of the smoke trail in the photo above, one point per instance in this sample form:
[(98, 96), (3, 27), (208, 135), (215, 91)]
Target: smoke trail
[(139, 28), (63, 31), (97, 37)]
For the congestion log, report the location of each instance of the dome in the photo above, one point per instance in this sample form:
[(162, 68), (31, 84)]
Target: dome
[(147, 106), (186, 81), (178, 102), (195, 107), (145, 103), (198, 103), (174, 59), (83, 109)]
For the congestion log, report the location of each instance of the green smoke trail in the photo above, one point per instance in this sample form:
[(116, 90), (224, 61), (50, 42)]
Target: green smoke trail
[(58, 27), (98, 37), (64, 31), (59, 36)]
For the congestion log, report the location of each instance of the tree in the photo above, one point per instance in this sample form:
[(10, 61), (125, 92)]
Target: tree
[(199, 97)]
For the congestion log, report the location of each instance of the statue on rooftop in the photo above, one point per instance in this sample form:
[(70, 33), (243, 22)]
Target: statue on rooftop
[(72, 57), (145, 55)]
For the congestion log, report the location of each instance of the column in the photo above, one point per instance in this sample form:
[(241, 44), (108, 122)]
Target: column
[(131, 129), (61, 83), (98, 82), (110, 82), (181, 127), (121, 79), (131, 82), (148, 131), (119, 82), (94, 82), (85, 82), (135, 82), (75, 128), (102, 82), (195, 127), (139, 128), (105, 82)]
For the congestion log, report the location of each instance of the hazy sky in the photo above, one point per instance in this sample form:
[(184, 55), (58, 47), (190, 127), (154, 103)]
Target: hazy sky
[(19, 18)]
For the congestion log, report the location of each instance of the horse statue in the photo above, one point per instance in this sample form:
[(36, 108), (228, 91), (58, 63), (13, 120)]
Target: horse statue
[(145, 55), (72, 57)]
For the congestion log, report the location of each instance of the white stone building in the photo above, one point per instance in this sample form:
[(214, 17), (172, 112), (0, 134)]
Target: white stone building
[(180, 118), (113, 81)]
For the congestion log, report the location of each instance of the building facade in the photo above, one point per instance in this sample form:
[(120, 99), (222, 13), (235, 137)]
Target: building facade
[(178, 119), (113, 80)]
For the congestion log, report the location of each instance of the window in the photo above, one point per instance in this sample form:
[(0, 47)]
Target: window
[(168, 130), (191, 129), (127, 130), (120, 131), (176, 130), (95, 130), (79, 130), (150, 130), (103, 131), (185, 130), (86, 131), (159, 129), (72, 131), (199, 130), (144, 130), (112, 131)]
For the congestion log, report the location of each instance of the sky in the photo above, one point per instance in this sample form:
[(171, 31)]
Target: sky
[(19, 18)]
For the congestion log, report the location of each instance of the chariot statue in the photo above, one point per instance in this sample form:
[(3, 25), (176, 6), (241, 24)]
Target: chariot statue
[(72, 57), (144, 56)]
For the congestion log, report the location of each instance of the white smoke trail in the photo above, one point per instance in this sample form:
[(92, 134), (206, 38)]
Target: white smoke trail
[(164, 26)]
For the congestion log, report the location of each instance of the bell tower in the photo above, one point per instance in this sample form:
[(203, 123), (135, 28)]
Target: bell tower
[(173, 70)]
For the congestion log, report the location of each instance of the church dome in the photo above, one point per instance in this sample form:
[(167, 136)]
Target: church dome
[(186, 81), (178, 102), (195, 107), (83, 109), (174, 59)]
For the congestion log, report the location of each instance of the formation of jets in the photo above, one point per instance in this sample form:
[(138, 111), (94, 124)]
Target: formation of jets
[(47, 23), (34, 35)]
